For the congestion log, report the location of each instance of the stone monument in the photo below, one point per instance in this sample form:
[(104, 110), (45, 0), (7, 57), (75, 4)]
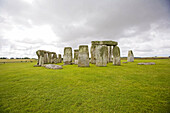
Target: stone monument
[(76, 53), (83, 57), (101, 55), (130, 56), (67, 58), (116, 56)]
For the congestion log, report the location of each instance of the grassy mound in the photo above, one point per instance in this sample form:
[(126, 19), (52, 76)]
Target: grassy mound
[(126, 88)]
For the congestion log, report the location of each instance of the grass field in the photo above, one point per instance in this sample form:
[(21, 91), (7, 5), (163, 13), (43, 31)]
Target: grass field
[(128, 88), (16, 60)]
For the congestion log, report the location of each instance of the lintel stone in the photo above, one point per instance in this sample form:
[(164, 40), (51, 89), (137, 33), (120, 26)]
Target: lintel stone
[(108, 43)]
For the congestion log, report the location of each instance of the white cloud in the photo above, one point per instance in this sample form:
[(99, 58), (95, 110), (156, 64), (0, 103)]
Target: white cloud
[(28, 25)]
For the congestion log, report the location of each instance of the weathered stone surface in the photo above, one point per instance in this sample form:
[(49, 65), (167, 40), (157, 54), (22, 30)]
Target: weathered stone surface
[(101, 55), (110, 54), (108, 43), (37, 66), (52, 66), (93, 54), (40, 54), (147, 63), (59, 58), (45, 57), (83, 57), (116, 56), (76, 53), (54, 58), (49, 57), (130, 56), (67, 58)]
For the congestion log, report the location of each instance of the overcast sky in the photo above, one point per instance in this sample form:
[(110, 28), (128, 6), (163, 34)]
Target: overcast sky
[(29, 25)]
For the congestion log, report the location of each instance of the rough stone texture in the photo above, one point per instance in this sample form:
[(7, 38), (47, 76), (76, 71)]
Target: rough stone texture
[(37, 66), (93, 54), (40, 54), (45, 57), (110, 54), (147, 63), (52, 66), (54, 58), (49, 57), (130, 56), (108, 43), (83, 57), (59, 58), (76, 53), (67, 58), (101, 55), (116, 56)]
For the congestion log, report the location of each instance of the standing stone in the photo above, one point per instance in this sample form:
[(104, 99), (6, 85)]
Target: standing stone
[(76, 53), (83, 57), (109, 54), (67, 58), (101, 55), (54, 58), (49, 57), (59, 58), (40, 54), (116, 56), (45, 57), (93, 54), (130, 56)]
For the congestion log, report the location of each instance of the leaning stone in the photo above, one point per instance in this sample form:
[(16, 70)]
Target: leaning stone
[(101, 55), (67, 58), (52, 66), (147, 63), (116, 56), (130, 56), (83, 57), (76, 53)]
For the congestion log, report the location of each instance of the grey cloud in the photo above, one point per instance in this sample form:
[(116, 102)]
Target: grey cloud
[(81, 21)]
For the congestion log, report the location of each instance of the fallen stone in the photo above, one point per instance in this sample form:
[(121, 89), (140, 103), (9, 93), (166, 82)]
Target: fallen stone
[(37, 66), (124, 62), (52, 66), (147, 63)]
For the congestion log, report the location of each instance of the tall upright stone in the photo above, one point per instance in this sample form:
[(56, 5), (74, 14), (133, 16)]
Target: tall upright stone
[(49, 57), (116, 56), (40, 54), (67, 58), (109, 54), (93, 54), (54, 58), (76, 53), (83, 57), (59, 58), (130, 56), (101, 55), (45, 57)]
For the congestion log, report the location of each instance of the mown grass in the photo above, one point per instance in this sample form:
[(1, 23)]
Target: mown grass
[(126, 88)]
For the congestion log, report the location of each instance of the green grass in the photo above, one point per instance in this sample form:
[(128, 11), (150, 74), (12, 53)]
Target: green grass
[(128, 88)]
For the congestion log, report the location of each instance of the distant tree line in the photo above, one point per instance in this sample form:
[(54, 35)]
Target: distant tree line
[(16, 58)]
